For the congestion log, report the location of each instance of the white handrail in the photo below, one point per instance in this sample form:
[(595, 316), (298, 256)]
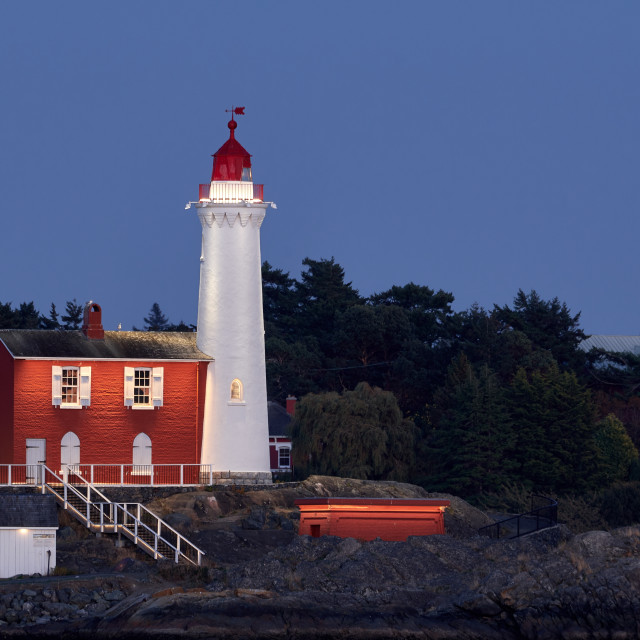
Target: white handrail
[(115, 507), (123, 475)]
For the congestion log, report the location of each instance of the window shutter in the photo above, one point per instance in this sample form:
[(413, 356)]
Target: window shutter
[(56, 386), (128, 386), (85, 386), (157, 389)]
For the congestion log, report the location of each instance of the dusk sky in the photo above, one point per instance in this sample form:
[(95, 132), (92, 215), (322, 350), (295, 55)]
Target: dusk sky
[(475, 147)]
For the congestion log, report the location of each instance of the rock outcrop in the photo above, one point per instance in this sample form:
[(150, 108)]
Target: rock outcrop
[(264, 581)]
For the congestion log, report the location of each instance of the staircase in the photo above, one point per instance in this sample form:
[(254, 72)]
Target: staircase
[(132, 520)]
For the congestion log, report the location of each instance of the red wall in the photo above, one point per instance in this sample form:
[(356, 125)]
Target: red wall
[(273, 451), (6, 405), (367, 519), (107, 428)]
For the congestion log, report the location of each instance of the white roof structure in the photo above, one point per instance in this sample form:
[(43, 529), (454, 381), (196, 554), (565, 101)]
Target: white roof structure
[(615, 344)]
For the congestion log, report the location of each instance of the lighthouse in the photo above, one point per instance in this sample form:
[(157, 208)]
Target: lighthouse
[(231, 211)]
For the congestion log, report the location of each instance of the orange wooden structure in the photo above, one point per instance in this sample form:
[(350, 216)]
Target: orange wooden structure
[(370, 518)]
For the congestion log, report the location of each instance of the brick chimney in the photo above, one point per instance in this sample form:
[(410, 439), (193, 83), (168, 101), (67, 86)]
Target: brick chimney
[(291, 405), (92, 321)]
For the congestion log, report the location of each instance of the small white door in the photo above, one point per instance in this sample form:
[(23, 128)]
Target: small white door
[(36, 455), (69, 451), (142, 455)]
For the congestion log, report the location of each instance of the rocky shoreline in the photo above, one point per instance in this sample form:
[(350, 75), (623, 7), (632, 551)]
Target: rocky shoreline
[(263, 581)]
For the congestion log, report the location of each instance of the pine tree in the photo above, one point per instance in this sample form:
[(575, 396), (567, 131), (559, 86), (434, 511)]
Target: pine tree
[(527, 402), (471, 449), (27, 316), (52, 321), (279, 302), (156, 320), (73, 317), (8, 318)]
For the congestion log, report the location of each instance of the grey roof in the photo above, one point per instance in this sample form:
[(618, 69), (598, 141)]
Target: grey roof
[(279, 420), (615, 344), (28, 510), (129, 345)]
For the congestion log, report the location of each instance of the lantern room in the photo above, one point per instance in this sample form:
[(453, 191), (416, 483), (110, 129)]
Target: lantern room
[(231, 161), (231, 178)]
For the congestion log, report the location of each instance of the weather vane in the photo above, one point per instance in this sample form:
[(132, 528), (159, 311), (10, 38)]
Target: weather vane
[(239, 111)]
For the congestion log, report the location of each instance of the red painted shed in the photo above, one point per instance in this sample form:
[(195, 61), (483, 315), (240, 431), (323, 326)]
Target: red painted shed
[(369, 518)]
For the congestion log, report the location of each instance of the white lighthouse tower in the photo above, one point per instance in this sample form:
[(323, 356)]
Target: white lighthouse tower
[(230, 321)]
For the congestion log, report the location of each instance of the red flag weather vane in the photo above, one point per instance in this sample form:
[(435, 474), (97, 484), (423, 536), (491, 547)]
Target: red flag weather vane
[(239, 111)]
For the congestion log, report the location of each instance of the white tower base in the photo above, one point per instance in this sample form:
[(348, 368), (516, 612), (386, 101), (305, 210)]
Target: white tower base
[(235, 439)]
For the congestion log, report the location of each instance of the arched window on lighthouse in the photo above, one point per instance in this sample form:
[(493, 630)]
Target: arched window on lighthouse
[(236, 391)]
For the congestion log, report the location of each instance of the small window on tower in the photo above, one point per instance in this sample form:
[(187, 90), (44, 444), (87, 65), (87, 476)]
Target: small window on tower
[(236, 391), (246, 174)]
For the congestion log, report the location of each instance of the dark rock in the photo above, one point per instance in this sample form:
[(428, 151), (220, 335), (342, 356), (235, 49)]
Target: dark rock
[(59, 609), (114, 596), (256, 519), (124, 565), (80, 598), (179, 521), (66, 533)]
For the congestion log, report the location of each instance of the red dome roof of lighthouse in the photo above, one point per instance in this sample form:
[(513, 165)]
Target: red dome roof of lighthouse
[(231, 161)]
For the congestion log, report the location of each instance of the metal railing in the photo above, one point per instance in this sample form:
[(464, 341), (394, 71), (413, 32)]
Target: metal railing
[(137, 523), (538, 518), (119, 475)]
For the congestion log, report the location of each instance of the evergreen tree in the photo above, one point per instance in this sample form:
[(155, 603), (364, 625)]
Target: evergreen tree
[(156, 320), (549, 324), (8, 318), (52, 321), (27, 316), (571, 430), (527, 402), (292, 367), (73, 317), (428, 311), (181, 327), (323, 294), (472, 445), (279, 302)]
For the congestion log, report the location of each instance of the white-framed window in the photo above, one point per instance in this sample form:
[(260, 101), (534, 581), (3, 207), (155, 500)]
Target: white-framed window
[(70, 387), (284, 457), (237, 394), (143, 387)]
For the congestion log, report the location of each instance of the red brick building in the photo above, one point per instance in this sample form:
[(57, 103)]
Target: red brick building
[(280, 436), (100, 397)]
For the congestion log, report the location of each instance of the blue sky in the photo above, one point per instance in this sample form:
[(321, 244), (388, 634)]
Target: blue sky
[(475, 147)]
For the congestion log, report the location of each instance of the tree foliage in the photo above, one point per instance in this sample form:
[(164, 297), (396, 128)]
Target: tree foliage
[(73, 315), (549, 325), (156, 320), (356, 434), (617, 451)]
